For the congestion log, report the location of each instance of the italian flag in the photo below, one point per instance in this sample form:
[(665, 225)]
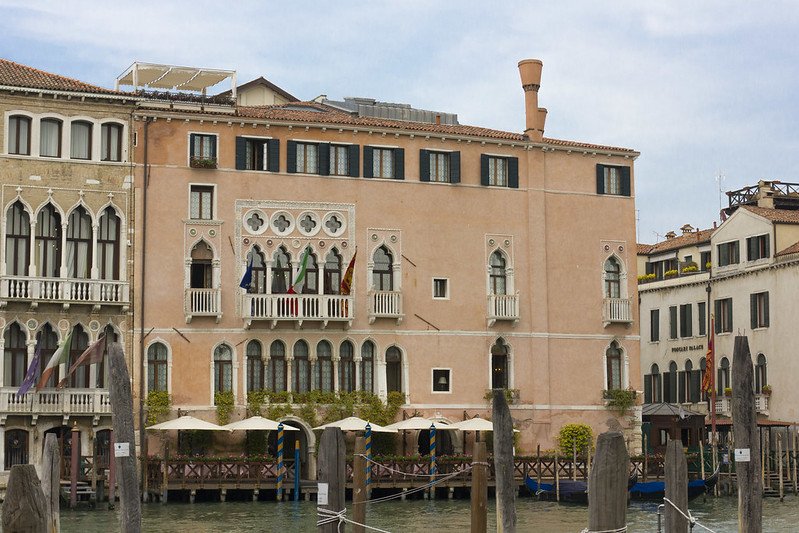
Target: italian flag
[(301, 272), (60, 356)]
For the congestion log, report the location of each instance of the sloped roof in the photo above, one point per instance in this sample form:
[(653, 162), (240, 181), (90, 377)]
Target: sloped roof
[(266, 83), (781, 216), (319, 113), (688, 239), (17, 75), (667, 409), (792, 249), (643, 249)]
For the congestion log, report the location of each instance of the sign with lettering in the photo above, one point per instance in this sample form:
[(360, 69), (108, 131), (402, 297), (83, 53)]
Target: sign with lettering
[(742, 455), (691, 348), (321, 495), (121, 449)]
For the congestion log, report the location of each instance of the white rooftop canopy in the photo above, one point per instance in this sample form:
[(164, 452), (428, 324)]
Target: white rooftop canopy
[(172, 77)]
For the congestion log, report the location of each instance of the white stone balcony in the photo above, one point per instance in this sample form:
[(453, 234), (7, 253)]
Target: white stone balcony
[(617, 310), (202, 302), (724, 404), (66, 292), (63, 402), (503, 307), (385, 304), (297, 308)]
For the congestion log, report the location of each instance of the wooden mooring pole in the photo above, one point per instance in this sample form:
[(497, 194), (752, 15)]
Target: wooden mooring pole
[(74, 465), (124, 453), (676, 475), (747, 452), (51, 482), (479, 490), (331, 475), (795, 485), (24, 507), (779, 467), (607, 501), (359, 485), (503, 464), (112, 477)]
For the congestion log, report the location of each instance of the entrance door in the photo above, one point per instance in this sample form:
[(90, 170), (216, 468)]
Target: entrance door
[(16, 448)]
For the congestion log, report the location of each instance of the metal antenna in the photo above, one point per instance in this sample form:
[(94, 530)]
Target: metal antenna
[(719, 179)]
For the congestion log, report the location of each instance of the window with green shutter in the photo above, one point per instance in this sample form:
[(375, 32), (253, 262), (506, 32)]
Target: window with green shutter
[(441, 167), (613, 180), (498, 171), (253, 153)]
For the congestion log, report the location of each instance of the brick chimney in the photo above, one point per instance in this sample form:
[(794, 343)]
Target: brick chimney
[(765, 194), (535, 117)]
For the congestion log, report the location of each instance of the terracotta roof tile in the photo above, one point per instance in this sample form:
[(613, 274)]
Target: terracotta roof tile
[(782, 216), (687, 239), (17, 75), (792, 249), (643, 249)]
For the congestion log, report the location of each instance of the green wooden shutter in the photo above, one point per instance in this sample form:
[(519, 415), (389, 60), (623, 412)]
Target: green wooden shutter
[(753, 311), (694, 393), (424, 165), (241, 153), (648, 388), (673, 386), (765, 310), (323, 159), (483, 169), (368, 168), (681, 381), (214, 140), (600, 179), (719, 387), (455, 167), (354, 155), (291, 157), (666, 376), (192, 137), (625, 181), (767, 247), (513, 172), (731, 321), (273, 155), (660, 389), (673, 322), (690, 321), (399, 163), (717, 314)]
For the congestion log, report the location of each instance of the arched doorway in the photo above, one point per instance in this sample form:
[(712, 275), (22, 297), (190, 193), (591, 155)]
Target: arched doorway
[(289, 438), (16, 448), (443, 443)]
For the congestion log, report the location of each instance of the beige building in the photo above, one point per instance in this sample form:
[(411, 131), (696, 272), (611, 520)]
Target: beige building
[(746, 268), (65, 178), (482, 261)]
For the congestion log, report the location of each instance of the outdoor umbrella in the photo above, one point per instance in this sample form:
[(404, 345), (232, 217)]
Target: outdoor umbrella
[(353, 423), (188, 423), (419, 423), (475, 424), (257, 423)]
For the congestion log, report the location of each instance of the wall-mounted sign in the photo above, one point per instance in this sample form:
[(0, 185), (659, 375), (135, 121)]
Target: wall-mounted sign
[(321, 495), (691, 348), (121, 449), (742, 455)]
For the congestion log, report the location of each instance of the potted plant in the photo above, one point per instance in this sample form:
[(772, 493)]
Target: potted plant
[(670, 273), (202, 162), (766, 390), (708, 265), (727, 391)]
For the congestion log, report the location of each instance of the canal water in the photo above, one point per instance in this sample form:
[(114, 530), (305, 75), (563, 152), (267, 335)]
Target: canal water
[(719, 514)]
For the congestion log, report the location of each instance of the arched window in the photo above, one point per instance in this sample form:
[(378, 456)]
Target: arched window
[(393, 369), (79, 244), (324, 366), (310, 284), (50, 137), (258, 283), (687, 392), (346, 367), (48, 242), (367, 366), (498, 276), (81, 140), (201, 266), (18, 240), (255, 367), (302, 367), (109, 337), (332, 272), (19, 135), (108, 244), (671, 384), (614, 371), (47, 343), (612, 278), (761, 378), (80, 341), (223, 369), (281, 272), (276, 378), (16, 448), (656, 390), (702, 368), (499, 366), (157, 367), (723, 375), (111, 142), (382, 273), (15, 357)]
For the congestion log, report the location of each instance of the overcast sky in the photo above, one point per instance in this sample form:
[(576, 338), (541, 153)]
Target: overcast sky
[(701, 89)]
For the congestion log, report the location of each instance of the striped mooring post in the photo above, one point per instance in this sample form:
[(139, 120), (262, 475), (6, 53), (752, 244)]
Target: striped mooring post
[(368, 439), (433, 450), (280, 461), (297, 470)]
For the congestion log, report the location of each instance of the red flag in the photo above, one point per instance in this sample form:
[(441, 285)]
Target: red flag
[(710, 365), (346, 281)]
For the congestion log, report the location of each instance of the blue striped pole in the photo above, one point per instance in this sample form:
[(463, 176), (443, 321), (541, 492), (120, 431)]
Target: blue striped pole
[(297, 470), (432, 449), (368, 439), (280, 461)]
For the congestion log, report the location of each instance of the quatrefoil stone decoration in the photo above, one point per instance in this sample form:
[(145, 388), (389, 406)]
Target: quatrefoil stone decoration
[(255, 222), (282, 223), (308, 223), (333, 224)]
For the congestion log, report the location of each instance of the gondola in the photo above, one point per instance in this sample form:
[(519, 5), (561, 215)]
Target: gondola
[(570, 491), (656, 490)]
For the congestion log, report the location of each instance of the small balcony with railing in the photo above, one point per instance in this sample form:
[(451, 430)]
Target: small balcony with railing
[(297, 308), (385, 304), (66, 292), (59, 402), (724, 404), (503, 307), (617, 311), (202, 303)]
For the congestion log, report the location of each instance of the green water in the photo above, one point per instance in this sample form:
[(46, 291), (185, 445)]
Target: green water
[(719, 514)]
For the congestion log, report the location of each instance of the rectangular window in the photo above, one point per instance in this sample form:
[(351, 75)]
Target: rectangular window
[(19, 135), (440, 167), (499, 171), (50, 138), (307, 160), (257, 154), (757, 247), (441, 380), (728, 253), (673, 322), (704, 260), (339, 160), (202, 202), (654, 325), (111, 142), (759, 310), (383, 163), (613, 180), (724, 315), (440, 288), (686, 320), (202, 150), (81, 140), (700, 310)]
